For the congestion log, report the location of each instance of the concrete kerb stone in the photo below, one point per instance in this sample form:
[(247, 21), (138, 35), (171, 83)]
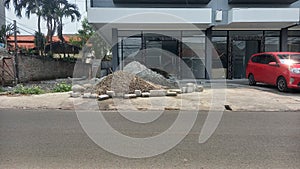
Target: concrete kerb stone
[(138, 93), (86, 95), (75, 94), (158, 93), (111, 93), (178, 91), (171, 93), (190, 87), (145, 94), (78, 88), (103, 97), (199, 88), (129, 96)]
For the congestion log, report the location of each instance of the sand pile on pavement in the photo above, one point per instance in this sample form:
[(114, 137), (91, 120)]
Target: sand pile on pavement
[(147, 74), (124, 82)]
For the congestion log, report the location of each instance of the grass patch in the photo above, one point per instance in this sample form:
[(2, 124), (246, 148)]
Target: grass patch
[(62, 87), (20, 89)]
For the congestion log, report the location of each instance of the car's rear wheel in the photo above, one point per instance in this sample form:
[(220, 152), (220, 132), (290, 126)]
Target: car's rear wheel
[(251, 80), (281, 84)]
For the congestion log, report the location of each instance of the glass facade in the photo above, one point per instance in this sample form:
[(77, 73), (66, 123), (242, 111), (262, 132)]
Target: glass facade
[(294, 41), (177, 52), (180, 53)]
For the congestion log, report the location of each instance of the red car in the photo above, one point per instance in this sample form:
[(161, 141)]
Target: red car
[(281, 69)]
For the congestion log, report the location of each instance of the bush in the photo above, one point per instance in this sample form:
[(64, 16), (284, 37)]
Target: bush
[(62, 87), (20, 89), (1, 90)]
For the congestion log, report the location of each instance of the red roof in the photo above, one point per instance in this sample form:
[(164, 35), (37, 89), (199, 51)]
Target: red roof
[(27, 41)]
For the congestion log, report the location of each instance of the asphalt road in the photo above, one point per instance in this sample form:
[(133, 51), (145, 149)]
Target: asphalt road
[(55, 139)]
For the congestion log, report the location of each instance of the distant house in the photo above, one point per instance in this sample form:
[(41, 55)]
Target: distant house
[(27, 41)]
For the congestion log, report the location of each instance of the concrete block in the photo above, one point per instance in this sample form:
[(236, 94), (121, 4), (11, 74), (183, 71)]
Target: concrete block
[(145, 94), (199, 89), (171, 93), (129, 96), (119, 95), (86, 95), (103, 97), (111, 93), (138, 93), (75, 94), (158, 93), (183, 89), (78, 88), (178, 91), (88, 86), (190, 87), (93, 96)]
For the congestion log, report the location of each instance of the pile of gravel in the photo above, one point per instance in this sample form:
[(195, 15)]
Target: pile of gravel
[(123, 82), (147, 74)]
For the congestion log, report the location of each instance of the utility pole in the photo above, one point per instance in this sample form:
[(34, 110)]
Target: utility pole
[(16, 54)]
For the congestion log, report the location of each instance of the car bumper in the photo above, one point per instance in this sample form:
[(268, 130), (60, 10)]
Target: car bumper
[(294, 82)]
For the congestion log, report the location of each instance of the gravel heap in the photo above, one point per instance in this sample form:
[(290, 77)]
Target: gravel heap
[(147, 74), (123, 82)]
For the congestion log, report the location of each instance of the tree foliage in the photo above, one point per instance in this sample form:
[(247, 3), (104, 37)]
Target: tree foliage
[(91, 42), (5, 32)]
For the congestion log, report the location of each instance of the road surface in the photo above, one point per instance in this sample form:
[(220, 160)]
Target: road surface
[(55, 139)]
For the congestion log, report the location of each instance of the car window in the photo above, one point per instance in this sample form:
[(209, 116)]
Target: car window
[(289, 58), (255, 59), (269, 58)]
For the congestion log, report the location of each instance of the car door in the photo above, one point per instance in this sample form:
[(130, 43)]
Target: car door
[(257, 67), (270, 70)]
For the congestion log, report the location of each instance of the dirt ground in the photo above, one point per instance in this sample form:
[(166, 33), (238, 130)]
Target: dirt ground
[(238, 97)]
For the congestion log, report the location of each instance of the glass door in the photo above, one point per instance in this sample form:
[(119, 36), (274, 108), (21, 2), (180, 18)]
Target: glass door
[(242, 51)]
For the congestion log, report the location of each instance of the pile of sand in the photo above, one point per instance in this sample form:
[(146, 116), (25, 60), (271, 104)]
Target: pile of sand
[(124, 82)]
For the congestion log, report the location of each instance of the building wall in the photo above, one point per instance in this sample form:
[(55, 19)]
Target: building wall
[(2, 14), (214, 4), (40, 68)]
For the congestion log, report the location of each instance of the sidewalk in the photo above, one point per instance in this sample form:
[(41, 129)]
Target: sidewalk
[(239, 97)]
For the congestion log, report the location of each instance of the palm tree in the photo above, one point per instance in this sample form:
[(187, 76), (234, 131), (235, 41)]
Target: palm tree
[(5, 32), (65, 9)]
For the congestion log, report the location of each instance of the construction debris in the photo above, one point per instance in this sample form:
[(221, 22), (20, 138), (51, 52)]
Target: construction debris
[(147, 74), (124, 83)]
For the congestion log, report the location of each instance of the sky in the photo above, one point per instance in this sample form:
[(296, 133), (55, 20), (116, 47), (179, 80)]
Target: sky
[(28, 26)]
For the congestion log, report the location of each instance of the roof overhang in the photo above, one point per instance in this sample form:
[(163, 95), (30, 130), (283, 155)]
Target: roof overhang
[(161, 1), (261, 1), (263, 18), (142, 18)]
